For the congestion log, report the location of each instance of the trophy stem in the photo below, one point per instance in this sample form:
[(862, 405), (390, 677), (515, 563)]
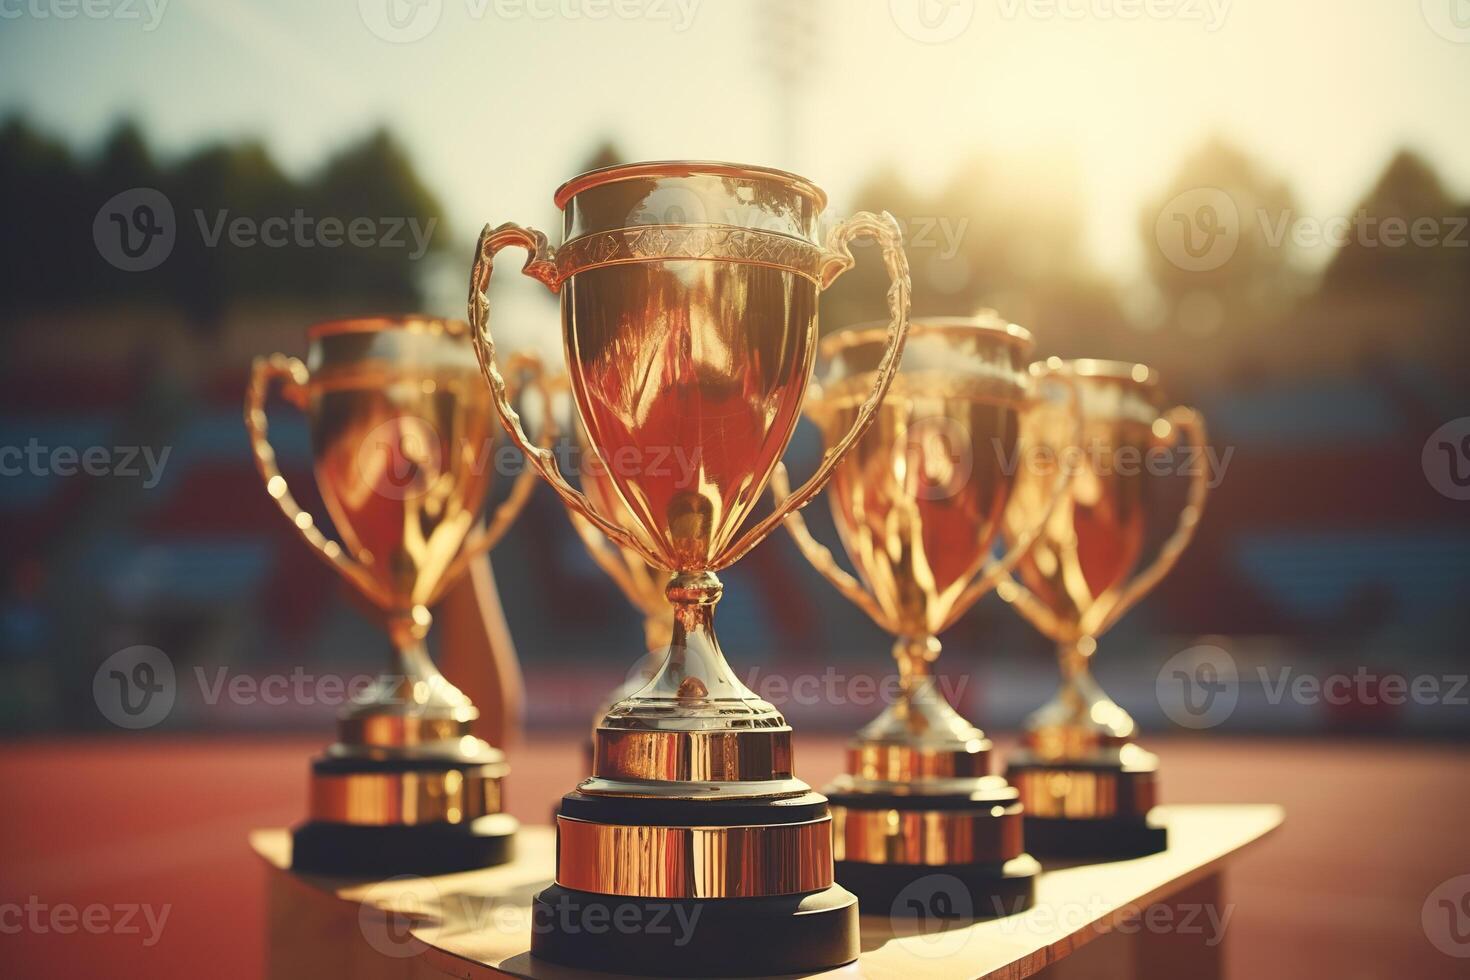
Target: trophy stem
[(695, 688), (1080, 721), (915, 655), (1074, 659), (1087, 787)]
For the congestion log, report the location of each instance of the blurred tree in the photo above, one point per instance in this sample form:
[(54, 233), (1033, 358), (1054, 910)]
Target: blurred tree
[(1400, 234), (375, 179), (1003, 233), (1398, 287), (295, 243), (39, 192), (1219, 191), (210, 189)]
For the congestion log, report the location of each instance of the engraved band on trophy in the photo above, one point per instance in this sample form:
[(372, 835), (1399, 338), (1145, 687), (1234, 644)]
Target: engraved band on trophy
[(1087, 785), (689, 312), (399, 421), (917, 505)]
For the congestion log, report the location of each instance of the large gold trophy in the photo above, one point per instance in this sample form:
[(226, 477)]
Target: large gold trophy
[(400, 428), (918, 506), (689, 310), (1087, 785)]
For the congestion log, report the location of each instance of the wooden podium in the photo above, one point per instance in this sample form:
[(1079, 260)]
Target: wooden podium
[(1159, 917)]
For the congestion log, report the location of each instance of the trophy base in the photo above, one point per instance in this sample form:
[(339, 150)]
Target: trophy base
[(1096, 839), (1080, 809), (703, 937), (356, 850), (946, 855), (929, 891)]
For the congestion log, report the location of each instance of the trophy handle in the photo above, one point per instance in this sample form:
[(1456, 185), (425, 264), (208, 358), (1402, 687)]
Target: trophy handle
[(293, 375), (1189, 423), (606, 558), (820, 556), (541, 265), (997, 569), (510, 508), (884, 230)]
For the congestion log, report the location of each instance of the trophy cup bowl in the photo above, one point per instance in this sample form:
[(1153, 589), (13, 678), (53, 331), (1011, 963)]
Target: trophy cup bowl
[(689, 313), (918, 506), (1086, 784), (399, 419)]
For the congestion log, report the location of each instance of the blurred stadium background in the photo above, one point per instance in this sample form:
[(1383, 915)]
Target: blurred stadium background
[(1038, 166)]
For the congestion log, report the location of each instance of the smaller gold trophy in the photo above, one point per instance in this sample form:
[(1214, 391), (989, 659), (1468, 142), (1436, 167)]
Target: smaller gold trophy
[(1087, 786), (400, 424), (918, 505)]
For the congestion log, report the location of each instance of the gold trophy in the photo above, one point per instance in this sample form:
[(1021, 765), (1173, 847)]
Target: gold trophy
[(918, 507), (400, 428), (1086, 785), (689, 311)]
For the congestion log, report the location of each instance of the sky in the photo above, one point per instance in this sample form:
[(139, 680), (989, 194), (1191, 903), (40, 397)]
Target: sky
[(501, 100)]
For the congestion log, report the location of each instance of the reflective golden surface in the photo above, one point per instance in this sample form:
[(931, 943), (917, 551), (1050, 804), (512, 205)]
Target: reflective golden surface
[(383, 798), (929, 837), (689, 315), (1079, 577), (400, 424), (918, 501), (1087, 794), (694, 862), (401, 435), (918, 505)]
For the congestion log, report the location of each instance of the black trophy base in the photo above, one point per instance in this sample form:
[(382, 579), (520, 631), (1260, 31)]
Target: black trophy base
[(954, 891), (704, 937), (1096, 840), (353, 850)]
